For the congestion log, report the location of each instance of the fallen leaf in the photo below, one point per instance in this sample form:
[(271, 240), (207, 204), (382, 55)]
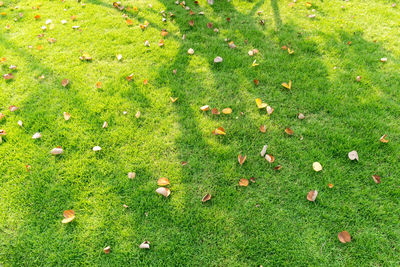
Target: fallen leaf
[(163, 181), (289, 131), (219, 131), (96, 148), (28, 167), (256, 82), (173, 100), (290, 51), (69, 215), (119, 57), (163, 191), (218, 60), (105, 124), (67, 116), (205, 108), (107, 250), (278, 167), (242, 159), (161, 43), (260, 104), (377, 179), (8, 76), (227, 111), (308, 4), (358, 78), (37, 136), (125, 206), (254, 64), (263, 129), (164, 33), (301, 116), (145, 245), (98, 85), (206, 198), (129, 78), (37, 16), (384, 59), (13, 108), (270, 158), (215, 111), (243, 182), (383, 139), (287, 86), (312, 195), (20, 123), (57, 151), (330, 185), (353, 155), (131, 175), (231, 45), (190, 51), (264, 150), (86, 56), (344, 237), (253, 179), (269, 110), (209, 25), (191, 23), (137, 115), (65, 82), (129, 22), (317, 166)]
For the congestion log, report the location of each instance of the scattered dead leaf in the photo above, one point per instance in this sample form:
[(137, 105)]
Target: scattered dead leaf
[(65, 82), (312, 195), (69, 216), (163, 181), (215, 111), (377, 179), (263, 129), (242, 159), (289, 131), (219, 131), (227, 111), (344, 237), (145, 245), (317, 166), (243, 182), (287, 85), (260, 104), (205, 108), (353, 155), (67, 116), (107, 250), (206, 198), (13, 108), (131, 175), (383, 139), (163, 191)]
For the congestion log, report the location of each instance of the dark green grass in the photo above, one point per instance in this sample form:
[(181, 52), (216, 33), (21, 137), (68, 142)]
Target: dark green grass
[(270, 222)]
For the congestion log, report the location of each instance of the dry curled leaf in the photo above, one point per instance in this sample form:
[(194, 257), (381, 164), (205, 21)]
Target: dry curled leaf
[(65, 82), (287, 85), (377, 179), (69, 215), (13, 108), (344, 237), (256, 82), (131, 175), (206, 198), (278, 167), (289, 131), (330, 185), (264, 150), (243, 182), (67, 116), (137, 115), (173, 100), (215, 111), (96, 148), (312, 195), (242, 159), (301, 116), (218, 60), (107, 250), (57, 151), (269, 110), (219, 131), (8, 76), (145, 245), (205, 108), (105, 124), (163, 181), (270, 158), (227, 111), (317, 166), (263, 128), (190, 51), (98, 85), (353, 155), (163, 191), (260, 104), (37, 136), (383, 139)]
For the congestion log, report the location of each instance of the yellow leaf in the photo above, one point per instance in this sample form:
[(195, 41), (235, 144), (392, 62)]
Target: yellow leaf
[(69, 216), (287, 86), (260, 104)]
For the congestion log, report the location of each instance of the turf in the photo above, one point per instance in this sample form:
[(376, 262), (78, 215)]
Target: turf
[(270, 222)]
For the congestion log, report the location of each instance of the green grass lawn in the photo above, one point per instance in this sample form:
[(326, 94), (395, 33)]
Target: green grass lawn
[(270, 222)]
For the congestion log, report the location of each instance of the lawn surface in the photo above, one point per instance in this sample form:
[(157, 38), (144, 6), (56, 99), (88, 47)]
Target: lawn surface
[(270, 222)]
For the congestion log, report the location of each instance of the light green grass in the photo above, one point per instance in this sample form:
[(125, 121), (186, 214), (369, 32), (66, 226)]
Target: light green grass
[(270, 222)]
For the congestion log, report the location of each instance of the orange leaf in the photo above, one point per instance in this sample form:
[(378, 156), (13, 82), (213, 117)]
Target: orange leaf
[(37, 17), (256, 82), (269, 110), (289, 131), (129, 22), (383, 140), (69, 215), (13, 108), (277, 168), (67, 116), (205, 108), (163, 181), (241, 159), (98, 85), (145, 82), (219, 131), (263, 129), (164, 33), (330, 185), (173, 100), (243, 182), (65, 82), (344, 237), (312, 195), (227, 111), (269, 158), (215, 111)]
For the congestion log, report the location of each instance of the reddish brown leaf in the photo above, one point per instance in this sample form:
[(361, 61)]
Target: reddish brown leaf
[(242, 159), (344, 237), (377, 179), (312, 195), (206, 198)]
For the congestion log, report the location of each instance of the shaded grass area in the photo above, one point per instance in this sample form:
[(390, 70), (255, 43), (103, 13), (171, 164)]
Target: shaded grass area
[(269, 222)]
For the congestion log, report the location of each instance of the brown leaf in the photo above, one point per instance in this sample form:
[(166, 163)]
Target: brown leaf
[(289, 131), (183, 163), (131, 175), (243, 182), (219, 131), (256, 82), (107, 250), (13, 108), (278, 167), (270, 158), (206, 198), (209, 25), (344, 237), (191, 23), (263, 129), (129, 78), (253, 179), (163, 191), (383, 139), (163, 181), (69, 215), (242, 159), (312, 195), (377, 179), (215, 111), (65, 82)]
